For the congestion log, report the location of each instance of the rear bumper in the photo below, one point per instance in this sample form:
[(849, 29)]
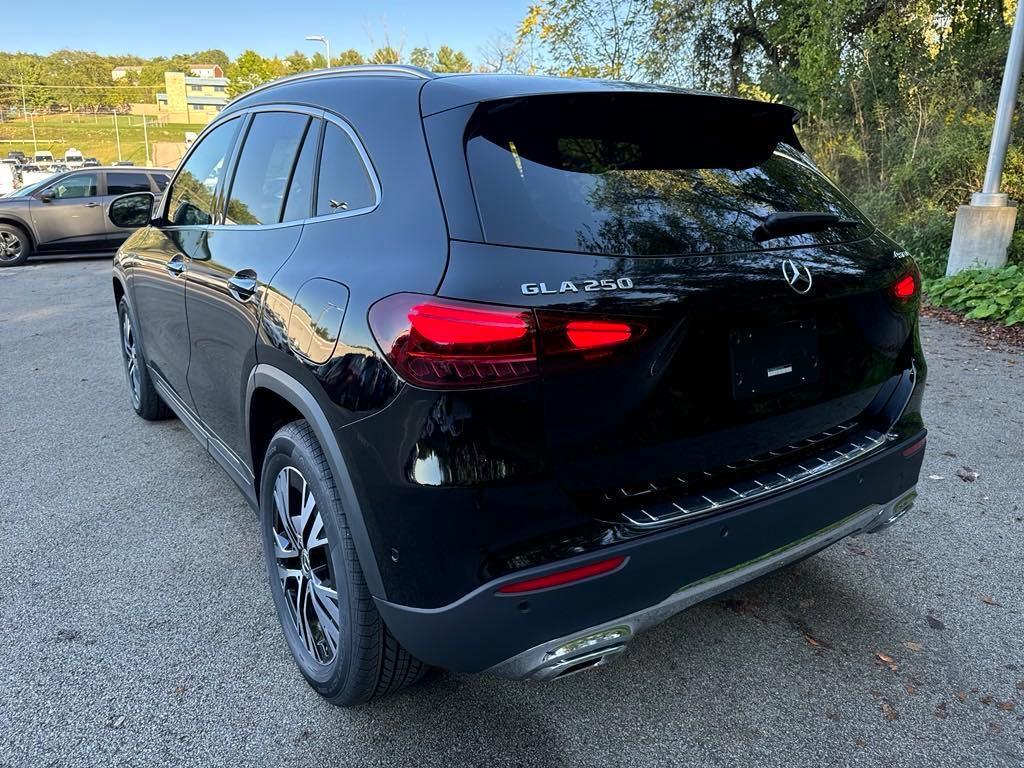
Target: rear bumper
[(547, 633)]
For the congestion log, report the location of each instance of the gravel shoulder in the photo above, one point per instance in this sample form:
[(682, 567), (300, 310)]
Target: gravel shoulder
[(136, 626)]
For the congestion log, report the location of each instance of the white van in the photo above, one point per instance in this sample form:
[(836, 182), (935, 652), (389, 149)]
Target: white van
[(73, 158), (43, 158), (8, 178)]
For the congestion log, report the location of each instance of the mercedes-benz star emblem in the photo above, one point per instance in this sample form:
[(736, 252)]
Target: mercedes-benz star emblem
[(797, 275)]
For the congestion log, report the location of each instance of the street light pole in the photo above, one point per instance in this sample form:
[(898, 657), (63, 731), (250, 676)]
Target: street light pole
[(32, 120), (1004, 111), (325, 41), (983, 229)]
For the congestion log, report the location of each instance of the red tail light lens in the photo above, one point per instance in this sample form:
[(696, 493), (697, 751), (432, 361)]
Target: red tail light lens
[(905, 288), (589, 334), (447, 344), (563, 577)]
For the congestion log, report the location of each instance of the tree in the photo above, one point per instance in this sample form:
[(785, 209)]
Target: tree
[(423, 57), (386, 55), (348, 58), (249, 70), (449, 60)]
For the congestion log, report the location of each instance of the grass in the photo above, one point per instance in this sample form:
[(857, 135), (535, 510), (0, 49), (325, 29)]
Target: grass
[(94, 136)]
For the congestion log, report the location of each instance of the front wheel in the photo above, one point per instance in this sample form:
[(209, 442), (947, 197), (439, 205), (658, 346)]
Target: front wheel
[(332, 627), (145, 399), (15, 246)]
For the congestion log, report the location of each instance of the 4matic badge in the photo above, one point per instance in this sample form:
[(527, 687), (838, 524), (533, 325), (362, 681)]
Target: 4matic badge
[(584, 286)]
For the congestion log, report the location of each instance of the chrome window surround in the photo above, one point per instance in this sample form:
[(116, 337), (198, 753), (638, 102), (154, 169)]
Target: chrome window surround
[(246, 116)]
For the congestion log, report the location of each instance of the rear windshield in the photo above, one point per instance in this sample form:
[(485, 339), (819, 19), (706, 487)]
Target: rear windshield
[(644, 174)]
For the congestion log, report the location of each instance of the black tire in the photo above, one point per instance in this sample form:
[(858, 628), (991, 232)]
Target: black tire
[(367, 662), (143, 395), (15, 246)]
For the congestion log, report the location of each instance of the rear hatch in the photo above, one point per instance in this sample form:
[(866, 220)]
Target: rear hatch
[(758, 300)]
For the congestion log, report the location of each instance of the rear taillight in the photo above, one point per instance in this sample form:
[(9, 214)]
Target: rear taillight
[(440, 343), (904, 289), (449, 344)]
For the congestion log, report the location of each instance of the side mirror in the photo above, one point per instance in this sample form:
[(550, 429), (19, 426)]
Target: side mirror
[(46, 195), (133, 210)]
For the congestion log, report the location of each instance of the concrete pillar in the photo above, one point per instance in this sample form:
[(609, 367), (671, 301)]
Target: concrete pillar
[(981, 233)]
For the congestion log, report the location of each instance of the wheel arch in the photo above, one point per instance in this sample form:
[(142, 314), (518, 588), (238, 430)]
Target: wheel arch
[(24, 226), (268, 381)]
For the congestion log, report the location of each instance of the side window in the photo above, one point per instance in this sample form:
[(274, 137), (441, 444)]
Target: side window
[(191, 196), (265, 168), (343, 184), (122, 183), (300, 190), (161, 180), (76, 186)]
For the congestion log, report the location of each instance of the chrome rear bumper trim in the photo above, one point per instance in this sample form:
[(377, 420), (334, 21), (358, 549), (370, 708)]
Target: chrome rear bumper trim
[(595, 645)]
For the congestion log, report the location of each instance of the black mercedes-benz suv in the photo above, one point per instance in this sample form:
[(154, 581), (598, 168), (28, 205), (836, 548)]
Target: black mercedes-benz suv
[(514, 367)]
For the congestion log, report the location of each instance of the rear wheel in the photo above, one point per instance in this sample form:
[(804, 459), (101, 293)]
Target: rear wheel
[(333, 629), (145, 399), (15, 246)]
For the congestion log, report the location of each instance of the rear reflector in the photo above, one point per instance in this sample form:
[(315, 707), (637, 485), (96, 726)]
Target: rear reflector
[(916, 448), (563, 577)]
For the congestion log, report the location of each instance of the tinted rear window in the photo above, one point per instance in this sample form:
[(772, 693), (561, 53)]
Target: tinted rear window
[(122, 183), (643, 174)]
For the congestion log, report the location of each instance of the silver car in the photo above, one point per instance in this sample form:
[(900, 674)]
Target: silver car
[(68, 211)]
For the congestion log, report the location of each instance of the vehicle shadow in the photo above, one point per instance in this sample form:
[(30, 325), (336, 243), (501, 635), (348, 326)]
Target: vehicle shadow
[(718, 662)]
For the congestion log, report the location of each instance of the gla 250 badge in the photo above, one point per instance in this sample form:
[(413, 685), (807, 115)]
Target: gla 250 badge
[(586, 286)]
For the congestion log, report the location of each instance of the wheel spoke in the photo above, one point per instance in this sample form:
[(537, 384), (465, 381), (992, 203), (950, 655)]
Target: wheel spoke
[(281, 505), (317, 536)]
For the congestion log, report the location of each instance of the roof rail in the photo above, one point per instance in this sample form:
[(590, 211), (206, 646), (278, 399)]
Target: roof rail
[(353, 70)]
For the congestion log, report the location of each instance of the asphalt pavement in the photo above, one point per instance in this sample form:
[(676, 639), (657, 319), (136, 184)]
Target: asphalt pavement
[(137, 628)]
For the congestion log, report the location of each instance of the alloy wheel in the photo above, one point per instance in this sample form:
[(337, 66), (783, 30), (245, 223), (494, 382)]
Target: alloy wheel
[(303, 557), (10, 246), (131, 359)]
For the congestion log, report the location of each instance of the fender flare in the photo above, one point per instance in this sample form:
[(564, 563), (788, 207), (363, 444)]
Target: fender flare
[(16, 220), (265, 376)]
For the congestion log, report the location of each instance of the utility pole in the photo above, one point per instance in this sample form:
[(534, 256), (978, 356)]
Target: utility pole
[(117, 136), (983, 229), (145, 139), (325, 41), (32, 120)]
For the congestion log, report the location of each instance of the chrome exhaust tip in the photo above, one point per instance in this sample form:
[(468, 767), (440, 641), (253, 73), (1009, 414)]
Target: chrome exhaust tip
[(892, 512), (581, 653)]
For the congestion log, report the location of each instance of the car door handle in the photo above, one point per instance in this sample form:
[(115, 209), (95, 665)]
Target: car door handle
[(176, 265), (242, 285), (92, 205)]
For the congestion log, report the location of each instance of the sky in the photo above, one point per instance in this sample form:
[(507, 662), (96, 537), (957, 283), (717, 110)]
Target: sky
[(148, 28)]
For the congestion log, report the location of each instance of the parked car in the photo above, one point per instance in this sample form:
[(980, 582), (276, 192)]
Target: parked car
[(90, 162), (17, 156), (512, 368), (67, 211), (42, 157), (123, 163)]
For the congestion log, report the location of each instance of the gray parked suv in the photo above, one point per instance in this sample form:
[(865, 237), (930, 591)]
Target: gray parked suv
[(68, 211)]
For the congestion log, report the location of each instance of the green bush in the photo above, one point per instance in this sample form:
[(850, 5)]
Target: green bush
[(993, 294)]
